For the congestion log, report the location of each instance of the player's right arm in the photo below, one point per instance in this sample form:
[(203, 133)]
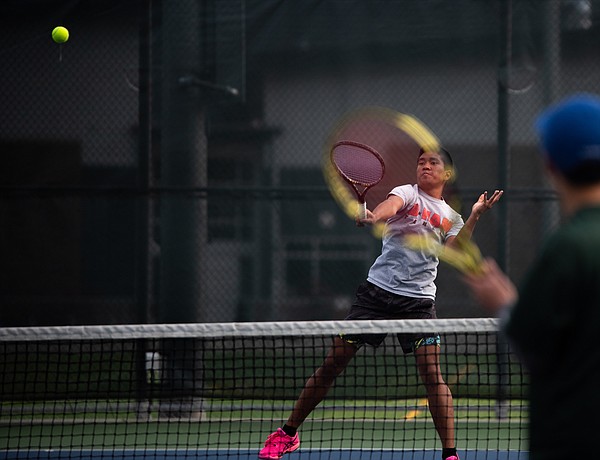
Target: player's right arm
[(384, 210)]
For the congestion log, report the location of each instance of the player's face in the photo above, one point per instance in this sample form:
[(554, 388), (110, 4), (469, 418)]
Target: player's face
[(431, 170)]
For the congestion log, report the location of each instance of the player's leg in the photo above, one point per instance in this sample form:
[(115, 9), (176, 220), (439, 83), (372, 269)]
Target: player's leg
[(286, 439), (438, 394), (318, 384)]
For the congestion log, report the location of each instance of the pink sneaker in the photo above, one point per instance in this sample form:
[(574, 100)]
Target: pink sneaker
[(453, 457), (277, 444)]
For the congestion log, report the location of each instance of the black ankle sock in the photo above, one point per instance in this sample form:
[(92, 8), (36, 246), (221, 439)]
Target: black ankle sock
[(289, 430), (448, 452)]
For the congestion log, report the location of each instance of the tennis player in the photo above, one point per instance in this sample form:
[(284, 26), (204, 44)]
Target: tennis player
[(400, 285), (554, 318)]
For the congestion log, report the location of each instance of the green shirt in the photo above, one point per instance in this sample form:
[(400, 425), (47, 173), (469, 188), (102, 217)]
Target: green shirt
[(554, 326)]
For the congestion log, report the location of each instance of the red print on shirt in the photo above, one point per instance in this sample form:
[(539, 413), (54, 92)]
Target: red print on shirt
[(434, 219)]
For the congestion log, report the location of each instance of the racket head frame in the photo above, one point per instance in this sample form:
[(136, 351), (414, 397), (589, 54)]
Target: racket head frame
[(353, 182)]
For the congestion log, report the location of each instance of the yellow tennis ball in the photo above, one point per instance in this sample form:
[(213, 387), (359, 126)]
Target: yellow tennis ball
[(60, 34)]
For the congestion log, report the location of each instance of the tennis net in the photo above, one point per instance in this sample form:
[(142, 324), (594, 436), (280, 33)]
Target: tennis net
[(218, 390)]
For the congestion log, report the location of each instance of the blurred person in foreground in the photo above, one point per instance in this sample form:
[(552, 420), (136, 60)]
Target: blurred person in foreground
[(400, 285), (553, 319)]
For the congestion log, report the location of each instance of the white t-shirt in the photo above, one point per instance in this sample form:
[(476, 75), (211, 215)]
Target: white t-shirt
[(405, 271)]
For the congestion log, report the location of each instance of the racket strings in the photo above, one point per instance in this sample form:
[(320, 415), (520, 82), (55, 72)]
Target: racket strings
[(358, 164)]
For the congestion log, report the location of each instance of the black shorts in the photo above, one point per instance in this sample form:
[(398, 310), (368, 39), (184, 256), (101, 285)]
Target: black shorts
[(374, 303)]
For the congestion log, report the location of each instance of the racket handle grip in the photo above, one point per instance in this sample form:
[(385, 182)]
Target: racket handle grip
[(362, 210), (362, 213)]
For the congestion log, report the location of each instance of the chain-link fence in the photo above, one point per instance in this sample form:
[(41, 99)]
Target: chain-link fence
[(164, 164)]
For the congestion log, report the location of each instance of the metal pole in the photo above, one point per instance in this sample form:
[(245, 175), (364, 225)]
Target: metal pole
[(551, 40), (183, 218), (183, 154), (143, 169), (551, 80), (504, 67), (143, 202)]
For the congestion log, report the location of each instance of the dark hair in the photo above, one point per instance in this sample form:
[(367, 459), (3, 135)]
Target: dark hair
[(446, 157), (585, 173)]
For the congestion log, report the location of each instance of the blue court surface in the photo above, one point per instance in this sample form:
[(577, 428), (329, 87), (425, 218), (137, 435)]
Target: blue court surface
[(213, 454)]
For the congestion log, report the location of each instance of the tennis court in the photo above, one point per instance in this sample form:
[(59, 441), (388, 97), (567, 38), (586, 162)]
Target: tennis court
[(502, 440), (305, 454), (98, 392), (164, 165)]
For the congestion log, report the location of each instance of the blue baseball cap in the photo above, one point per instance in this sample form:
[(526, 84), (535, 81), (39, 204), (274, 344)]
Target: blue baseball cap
[(570, 132)]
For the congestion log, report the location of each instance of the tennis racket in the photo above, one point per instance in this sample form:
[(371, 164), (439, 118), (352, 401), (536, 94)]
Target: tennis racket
[(360, 166), (397, 137)]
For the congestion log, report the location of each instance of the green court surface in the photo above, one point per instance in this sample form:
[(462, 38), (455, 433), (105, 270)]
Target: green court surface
[(227, 424)]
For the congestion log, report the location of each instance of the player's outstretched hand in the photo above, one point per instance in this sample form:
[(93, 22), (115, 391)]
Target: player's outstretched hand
[(484, 203), (491, 287)]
